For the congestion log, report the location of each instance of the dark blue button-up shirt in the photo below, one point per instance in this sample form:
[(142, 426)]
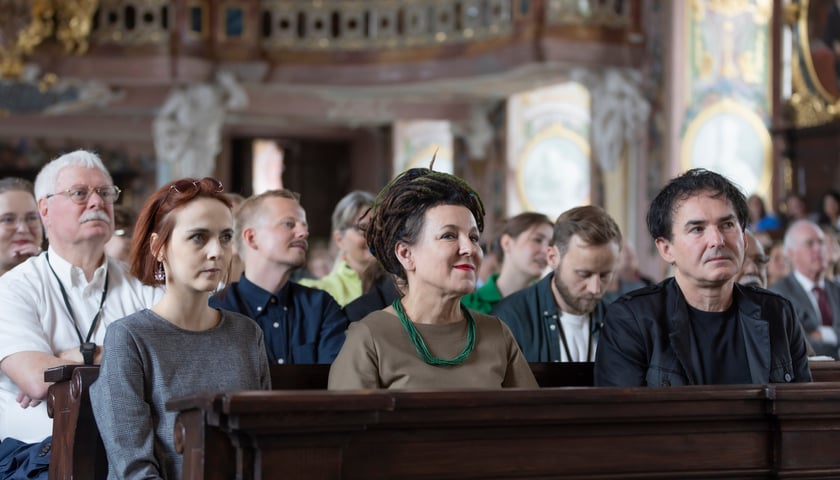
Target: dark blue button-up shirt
[(300, 324)]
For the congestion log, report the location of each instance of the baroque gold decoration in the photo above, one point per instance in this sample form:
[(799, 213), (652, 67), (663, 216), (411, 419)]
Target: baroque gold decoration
[(25, 24), (814, 100), (74, 23)]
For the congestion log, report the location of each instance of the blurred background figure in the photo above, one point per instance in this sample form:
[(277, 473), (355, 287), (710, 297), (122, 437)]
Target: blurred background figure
[(759, 219), (628, 276), (492, 263), (754, 272), (812, 292), (523, 251), (349, 222), (119, 246), (779, 265), (236, 265), (380, 291), (794, 209), (832, 247), (829, 215), (754, 268), (21, 233), (319, 260)]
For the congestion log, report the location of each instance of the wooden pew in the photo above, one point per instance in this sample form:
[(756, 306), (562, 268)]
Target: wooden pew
[(825, 371), (77, 448), (77, 451), (584, 433)]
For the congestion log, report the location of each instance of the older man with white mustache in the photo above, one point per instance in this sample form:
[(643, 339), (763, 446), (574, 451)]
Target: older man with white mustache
[(57, 305)]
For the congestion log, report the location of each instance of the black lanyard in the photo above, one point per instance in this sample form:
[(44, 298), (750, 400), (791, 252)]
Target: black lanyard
[(566, 345), (98, 314)]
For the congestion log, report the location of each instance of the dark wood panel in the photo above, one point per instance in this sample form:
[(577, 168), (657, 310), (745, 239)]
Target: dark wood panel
[(732, 431)]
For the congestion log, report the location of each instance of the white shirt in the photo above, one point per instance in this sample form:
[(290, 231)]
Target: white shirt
[(577, 331), (34, 317), (829, 336)]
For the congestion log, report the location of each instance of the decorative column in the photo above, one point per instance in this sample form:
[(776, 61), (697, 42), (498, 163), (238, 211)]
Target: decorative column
[(620, 114)]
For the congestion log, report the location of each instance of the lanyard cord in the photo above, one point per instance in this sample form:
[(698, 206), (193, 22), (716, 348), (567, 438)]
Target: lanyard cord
[(566, 345), (70, 310)]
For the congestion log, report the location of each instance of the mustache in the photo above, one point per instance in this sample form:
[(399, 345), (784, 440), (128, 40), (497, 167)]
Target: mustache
[(95, 215), (720, 252), (300, 243)]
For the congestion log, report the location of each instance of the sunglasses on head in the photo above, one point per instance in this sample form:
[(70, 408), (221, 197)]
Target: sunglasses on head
[(188, 184)]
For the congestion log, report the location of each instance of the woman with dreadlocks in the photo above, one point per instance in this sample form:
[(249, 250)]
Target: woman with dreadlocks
[(424, 229)]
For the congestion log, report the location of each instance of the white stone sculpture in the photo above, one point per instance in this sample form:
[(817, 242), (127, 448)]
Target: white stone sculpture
[(187, 129), (619, 113)]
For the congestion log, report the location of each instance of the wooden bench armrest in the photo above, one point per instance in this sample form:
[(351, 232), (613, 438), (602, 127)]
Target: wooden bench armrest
[(77, 450)]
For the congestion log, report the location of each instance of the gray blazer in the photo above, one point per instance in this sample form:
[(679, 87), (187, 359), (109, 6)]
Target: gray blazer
[(805, 312)]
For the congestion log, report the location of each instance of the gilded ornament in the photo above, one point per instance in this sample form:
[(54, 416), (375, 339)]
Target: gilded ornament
[(811, 103), (25, 24)]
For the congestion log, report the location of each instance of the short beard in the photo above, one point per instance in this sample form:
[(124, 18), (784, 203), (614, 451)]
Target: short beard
[(580, 306)]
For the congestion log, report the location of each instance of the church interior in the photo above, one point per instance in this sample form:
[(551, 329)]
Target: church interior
[(539, 104)]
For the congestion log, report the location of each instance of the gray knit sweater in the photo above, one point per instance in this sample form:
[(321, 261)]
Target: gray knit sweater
[(148, 361)]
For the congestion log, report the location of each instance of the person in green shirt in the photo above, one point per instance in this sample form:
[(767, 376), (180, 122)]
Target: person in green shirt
[(349, 221), (523, 246)]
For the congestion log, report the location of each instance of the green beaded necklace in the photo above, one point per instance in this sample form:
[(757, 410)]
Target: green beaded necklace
[(420, 345)]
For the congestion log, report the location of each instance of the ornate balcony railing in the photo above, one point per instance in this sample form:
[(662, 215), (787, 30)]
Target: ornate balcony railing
[(132, 23), (282, 40), (376, 24), (350, 25)]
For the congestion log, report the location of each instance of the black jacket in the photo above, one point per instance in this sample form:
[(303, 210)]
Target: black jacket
[(532, 315), (379, 296), (647, 339)]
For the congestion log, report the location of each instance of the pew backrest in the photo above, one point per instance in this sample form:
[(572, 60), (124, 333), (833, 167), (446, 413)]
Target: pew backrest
[(77, 451)]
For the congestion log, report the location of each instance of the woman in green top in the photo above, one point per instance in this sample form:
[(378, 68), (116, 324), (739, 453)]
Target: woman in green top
[(349, 219), (523, 246), (424, 229)]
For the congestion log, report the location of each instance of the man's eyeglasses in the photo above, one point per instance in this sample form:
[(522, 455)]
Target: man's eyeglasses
[(81, 193), (10, 221)]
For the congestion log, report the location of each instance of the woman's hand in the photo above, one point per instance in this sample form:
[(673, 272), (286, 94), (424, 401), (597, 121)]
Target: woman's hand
[(25, 251)]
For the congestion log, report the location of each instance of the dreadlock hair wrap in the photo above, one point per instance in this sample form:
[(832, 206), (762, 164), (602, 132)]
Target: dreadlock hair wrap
[(401, 205)]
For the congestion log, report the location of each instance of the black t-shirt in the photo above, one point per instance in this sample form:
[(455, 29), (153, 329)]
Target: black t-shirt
[(719, 344)]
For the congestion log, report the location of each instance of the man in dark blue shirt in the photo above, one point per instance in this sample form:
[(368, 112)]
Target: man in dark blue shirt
[(300, 324)]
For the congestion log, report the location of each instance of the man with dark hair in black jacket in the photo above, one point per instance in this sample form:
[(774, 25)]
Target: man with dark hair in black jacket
[(700, 327)]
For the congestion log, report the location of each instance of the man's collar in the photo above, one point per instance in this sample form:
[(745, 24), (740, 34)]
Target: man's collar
[(807, 283), (256, 296), (72, 275)]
